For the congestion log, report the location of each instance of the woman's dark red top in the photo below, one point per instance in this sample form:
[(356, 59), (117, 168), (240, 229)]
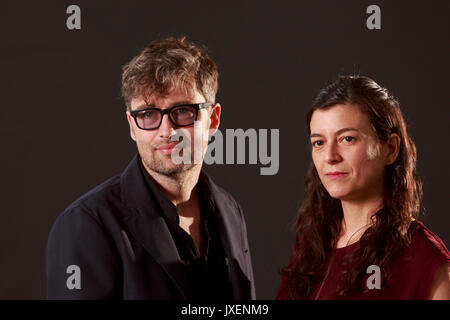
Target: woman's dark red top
[(411, 275)]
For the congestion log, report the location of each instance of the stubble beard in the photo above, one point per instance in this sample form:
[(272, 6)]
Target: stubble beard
[(162, 164)]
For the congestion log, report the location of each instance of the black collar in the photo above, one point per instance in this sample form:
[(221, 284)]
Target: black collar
[(168, 209)]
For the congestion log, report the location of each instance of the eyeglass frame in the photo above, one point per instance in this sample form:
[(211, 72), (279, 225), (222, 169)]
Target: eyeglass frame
[(197, 107)]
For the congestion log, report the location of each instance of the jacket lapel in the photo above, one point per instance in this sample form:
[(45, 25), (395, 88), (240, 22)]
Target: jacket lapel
[(148, 226), (152, 233), (230, 229)]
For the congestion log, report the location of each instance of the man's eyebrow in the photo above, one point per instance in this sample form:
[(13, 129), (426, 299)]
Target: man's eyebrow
[(340, 131), (181, 102), (145, 105)]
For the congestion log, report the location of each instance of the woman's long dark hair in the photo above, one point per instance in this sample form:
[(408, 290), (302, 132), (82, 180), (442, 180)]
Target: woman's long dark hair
[(318, 222)]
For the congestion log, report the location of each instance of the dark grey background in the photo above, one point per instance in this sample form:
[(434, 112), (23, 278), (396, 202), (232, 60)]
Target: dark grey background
[(64, 129)]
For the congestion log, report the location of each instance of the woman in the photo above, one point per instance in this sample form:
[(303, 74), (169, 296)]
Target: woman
[(357, 236)]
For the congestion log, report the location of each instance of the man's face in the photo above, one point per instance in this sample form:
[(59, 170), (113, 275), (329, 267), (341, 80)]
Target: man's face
[(347, 156), (155, 146)]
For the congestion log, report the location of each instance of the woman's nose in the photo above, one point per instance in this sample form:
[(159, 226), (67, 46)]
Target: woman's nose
[(332, 154)]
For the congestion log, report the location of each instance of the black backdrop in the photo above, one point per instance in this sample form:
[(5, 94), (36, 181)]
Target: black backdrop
[(64, 129)]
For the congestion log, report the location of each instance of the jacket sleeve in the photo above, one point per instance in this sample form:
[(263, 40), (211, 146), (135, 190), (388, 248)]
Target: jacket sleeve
[(80, 259), (248, 260)]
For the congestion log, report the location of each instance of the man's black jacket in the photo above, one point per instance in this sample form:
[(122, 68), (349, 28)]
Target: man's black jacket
[(123, 248)]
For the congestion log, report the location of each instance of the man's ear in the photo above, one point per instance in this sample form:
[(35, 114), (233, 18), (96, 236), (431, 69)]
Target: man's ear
[(130, 123), (393, 147), (214, 118)]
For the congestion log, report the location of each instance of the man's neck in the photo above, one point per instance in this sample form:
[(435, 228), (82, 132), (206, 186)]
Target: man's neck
[(178, 188)]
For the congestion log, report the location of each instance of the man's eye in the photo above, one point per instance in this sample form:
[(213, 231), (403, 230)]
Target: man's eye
[(148, 114)]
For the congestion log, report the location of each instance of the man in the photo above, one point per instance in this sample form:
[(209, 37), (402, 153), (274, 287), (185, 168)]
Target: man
[(162, 229)]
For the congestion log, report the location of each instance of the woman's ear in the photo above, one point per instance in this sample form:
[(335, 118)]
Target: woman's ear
[(393, 147)]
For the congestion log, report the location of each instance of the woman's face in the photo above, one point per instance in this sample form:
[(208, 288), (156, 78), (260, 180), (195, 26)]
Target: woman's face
[(347, 156)]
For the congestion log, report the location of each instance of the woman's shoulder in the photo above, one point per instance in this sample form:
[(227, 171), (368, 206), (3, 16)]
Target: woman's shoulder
[(422, 258), (426, 244)]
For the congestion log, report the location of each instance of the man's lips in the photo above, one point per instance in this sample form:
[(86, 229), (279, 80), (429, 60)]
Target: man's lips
[(167, 148), (335, 175)]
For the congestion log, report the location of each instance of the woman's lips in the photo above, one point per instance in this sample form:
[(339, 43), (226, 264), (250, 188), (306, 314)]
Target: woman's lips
[(335, 175)]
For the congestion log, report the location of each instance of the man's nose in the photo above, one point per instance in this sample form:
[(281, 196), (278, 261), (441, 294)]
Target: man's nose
[(166, 128), (332, 153)]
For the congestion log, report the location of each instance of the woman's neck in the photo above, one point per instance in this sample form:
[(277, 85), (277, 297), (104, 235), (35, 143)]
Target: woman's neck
[(357, 217)]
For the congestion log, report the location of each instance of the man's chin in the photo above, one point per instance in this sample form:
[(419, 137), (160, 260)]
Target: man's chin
[(169, 171), (163, 164), (169, 168)]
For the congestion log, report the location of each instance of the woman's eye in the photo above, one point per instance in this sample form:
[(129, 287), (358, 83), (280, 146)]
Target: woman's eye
[(348, 139), (317, 143)]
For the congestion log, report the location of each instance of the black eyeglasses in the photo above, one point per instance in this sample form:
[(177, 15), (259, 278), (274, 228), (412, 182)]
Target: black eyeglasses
[(181, 115)]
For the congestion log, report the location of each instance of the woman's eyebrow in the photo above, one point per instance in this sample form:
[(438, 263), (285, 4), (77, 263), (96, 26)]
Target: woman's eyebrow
[(340, 131)]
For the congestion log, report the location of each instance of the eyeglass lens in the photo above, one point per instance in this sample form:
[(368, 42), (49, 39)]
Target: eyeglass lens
[(181, 116)]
